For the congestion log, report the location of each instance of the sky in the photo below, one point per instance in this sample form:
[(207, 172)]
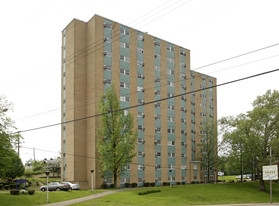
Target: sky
[(30, 51)]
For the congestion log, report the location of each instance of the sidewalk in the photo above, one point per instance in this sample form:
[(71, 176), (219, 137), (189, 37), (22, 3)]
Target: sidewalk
[(83, 199)]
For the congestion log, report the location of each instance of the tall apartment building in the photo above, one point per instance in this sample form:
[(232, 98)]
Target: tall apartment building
[(143, 68)]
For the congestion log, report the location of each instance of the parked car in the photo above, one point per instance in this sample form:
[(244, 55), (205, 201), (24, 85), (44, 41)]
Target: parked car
[(246, 176), (73, 186), (56, 186)]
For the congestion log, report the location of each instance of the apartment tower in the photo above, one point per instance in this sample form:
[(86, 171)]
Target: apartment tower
[(143, 68)]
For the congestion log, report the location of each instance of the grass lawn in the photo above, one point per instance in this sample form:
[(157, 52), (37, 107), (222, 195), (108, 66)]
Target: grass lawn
[(200, 194), (227, 178), (39, 197)]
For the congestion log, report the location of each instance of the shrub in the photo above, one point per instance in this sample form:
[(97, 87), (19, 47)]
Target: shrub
[(112, 186), (152, 184), (183, 183), (1, 186), (127, 184), (134, 184), (104, 186), (31, 192), (148, 192), (165, 183), (14, 192), (12, 186), (177, 183), (195, 182), (146, 184), (6, 187)]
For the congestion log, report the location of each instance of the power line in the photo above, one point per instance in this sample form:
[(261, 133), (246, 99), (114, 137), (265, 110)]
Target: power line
[(151, 102)]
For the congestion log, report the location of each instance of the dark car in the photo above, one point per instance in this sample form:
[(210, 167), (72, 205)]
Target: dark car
[(56, 186)]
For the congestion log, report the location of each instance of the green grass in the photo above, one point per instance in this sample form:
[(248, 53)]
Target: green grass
[(39, 197), (227, 178), (200, 194)]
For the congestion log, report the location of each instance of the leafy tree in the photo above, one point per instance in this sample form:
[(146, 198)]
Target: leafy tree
[(209, 146), (116, 143), (14, 167), (251, 135), (8, 139)]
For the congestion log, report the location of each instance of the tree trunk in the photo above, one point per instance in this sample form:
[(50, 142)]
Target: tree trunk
[(115, 179), (262, 185)]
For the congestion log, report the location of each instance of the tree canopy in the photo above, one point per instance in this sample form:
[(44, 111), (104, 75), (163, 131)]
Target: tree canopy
[(117, 136), (250, 136)]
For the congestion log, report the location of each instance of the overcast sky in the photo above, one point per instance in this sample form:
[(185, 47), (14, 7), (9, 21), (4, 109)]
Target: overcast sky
[(30, 43)]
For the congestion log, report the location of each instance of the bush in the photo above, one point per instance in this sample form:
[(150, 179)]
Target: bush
[(195, 182), (1, 186), (13, 186), (31, 192), (127, 184), (134, 184), (165, 183), (112, 186), (14, 192), (148, 192), (177, 183), (146, 184), (6, 187), (104, 186), (183, 183), (152, 184)]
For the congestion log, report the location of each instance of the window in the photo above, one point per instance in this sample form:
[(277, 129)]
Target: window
[(157, 167), (140, 127), (140, 63), (157, 80), (107, 25), (141, 114), (124, 58), (158, 179), (140, 37), (140, 89), (157, 92), (107, 67), (170, 71), (183, 98), (107, 81), (157, 154), (195, 167), (124, 180), (157, 56), (182, 64), (170, 48), (157, 117), (182, 52), (183, 167), (124, 31), (140, 179), (171, 143), (126, 112), (170, 60), (124, 71), (141, 154), (170, 107), (140, 50), (183, 132), (157, 104), (183, 144), (157, 141), (170, 154), (171, 131), (158, 129), (141, 101), (107, 53), (171, 119), (183, 155), (124, 45), (141, 76), (156, 43), (171, 166), (171, 178), (108, 180), (183, 109), (124, 99), (170, 95), (107, 40), (141, 167), (171, 84), (141, 141), (183, 120), (158, 68), (183, 86), (124, 85)]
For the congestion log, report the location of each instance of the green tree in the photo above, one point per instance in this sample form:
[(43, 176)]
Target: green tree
[(251, 135), (8, 139), (14, 167), (117, 136)]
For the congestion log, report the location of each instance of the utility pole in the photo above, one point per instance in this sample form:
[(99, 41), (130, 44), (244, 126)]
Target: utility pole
[(34, 153), (270, 180)]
